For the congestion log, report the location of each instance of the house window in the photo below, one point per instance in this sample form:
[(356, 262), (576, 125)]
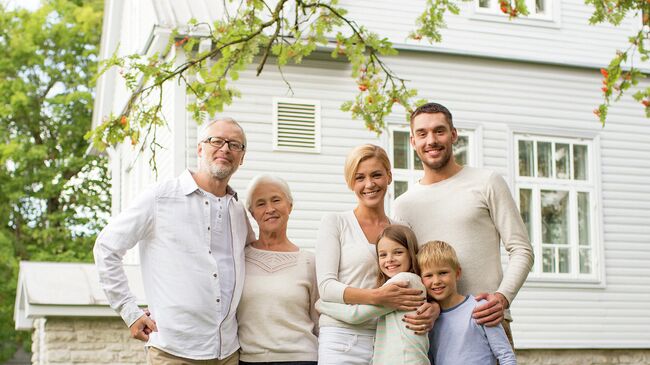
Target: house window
[(540, 9), (557, 200), (296, 125), (407, 166)]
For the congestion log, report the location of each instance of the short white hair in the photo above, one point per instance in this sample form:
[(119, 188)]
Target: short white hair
[(267, 179), (203, 134)]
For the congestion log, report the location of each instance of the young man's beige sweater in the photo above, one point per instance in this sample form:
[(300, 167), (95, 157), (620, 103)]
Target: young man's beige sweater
[(472, 211)]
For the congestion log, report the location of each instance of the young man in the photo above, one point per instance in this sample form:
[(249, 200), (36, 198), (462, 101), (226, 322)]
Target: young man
[(471, 208), (191, 232), (457, 338)]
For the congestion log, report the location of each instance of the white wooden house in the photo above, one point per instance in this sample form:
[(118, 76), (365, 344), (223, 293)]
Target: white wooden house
[(522, 93)]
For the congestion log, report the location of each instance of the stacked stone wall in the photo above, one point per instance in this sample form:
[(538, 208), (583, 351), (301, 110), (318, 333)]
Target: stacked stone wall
[(84, 341), (106, 341), (584, 357)]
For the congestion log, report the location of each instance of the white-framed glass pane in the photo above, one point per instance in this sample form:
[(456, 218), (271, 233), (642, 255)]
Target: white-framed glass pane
[(556, 192), (417, 163), (555, 216), (400, 187), (484, 4), (526, 209), (400, 150), (540, 7), (544, 159), (580, 162), (461, 150), (562, 160), (526, 158), (584, 228), (564, 261), (548, 259), (585, 260)]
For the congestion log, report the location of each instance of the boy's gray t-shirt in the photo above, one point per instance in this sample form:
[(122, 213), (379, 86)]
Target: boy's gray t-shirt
[(456, 338)]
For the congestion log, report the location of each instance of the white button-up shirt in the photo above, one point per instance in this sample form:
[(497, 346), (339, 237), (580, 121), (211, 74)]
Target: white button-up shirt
[(221, 245), (172, 223)]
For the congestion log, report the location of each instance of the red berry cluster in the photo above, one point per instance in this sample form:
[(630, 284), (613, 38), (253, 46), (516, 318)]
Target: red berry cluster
[(181, 41), (605, 75), (507, 8)]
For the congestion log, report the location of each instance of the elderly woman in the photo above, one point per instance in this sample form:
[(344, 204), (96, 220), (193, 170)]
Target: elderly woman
[(276, 314), (347, 264)]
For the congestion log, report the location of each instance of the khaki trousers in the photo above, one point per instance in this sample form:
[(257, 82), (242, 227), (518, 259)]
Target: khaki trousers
[(159, 357)]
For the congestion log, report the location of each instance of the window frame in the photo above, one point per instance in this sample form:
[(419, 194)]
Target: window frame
[(591, 185), (550, 18)]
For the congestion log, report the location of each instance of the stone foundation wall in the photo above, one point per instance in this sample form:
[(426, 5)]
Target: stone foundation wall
[(583, 357), (84, 341), (107, 341)]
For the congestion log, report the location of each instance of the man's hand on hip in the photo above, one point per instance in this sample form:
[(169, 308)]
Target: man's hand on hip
[(492, 312), (142, 327)]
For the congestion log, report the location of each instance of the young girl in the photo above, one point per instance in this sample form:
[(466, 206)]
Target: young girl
[(394, 343)]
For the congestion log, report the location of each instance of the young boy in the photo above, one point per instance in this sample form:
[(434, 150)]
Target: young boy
[(456, 338)]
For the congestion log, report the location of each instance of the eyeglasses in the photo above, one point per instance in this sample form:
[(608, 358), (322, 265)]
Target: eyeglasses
[(218, 142)]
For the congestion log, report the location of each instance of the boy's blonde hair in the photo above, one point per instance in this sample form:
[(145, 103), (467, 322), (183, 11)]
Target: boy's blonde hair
[(436, 253)]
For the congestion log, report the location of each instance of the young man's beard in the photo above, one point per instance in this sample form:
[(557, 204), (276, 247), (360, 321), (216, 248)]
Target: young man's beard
[(444, 161)]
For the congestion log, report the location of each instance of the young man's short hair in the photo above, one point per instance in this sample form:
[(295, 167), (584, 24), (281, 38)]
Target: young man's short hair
[(432, 108), (436, 253)]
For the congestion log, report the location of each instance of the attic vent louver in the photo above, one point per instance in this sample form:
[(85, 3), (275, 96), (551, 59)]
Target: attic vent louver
[(296, 125)]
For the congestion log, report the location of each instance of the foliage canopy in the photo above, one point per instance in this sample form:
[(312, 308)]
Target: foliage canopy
[(290, 30), (52, 194)]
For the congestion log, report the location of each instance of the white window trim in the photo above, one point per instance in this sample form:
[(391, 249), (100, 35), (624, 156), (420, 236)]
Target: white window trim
[(551, 19), (317, 125), (592, 138)]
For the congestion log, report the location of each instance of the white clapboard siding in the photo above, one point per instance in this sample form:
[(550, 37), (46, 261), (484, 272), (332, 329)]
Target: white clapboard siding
[(572, 39), (316, 180), (569, 38), (137, 20), (500, 98)]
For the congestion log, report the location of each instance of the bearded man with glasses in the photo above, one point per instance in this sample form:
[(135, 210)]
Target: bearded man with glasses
[(191, 232)]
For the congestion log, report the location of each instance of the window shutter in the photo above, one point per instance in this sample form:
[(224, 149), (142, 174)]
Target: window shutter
[(296, 125)]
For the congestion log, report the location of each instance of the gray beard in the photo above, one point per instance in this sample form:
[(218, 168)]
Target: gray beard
[(220, 172)]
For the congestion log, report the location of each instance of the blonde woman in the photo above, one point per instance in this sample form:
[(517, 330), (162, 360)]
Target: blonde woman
[(346, 267)]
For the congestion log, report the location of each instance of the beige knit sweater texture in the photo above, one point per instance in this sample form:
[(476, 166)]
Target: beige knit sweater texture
[(276, 315)]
